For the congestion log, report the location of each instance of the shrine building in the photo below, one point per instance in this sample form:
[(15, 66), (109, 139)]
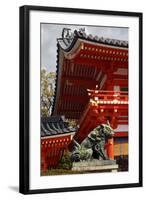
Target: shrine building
[(56, 135), (92, 87)]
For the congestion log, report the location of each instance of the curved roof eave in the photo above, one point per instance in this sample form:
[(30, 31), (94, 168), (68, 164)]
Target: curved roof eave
[(91, 38), (67, 48)]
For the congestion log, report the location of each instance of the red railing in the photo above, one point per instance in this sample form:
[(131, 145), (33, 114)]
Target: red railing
[(108, 97)]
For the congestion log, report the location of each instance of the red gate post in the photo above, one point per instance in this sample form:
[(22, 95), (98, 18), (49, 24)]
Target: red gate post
[(110, 149)]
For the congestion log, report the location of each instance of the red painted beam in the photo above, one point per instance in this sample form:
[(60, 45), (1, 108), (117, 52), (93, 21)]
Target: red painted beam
[(71, 115), (120, 76), (123, 118), (74, 99), (120, 82), (104, 49), (99, 64), (103, 53), (85, 83), (111, 107), (122, 122), (121, 134)]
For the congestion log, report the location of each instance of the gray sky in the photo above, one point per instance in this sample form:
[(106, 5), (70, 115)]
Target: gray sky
[(50, 33)]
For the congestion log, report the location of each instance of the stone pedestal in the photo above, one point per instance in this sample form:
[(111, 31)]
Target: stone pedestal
[(95, 165)]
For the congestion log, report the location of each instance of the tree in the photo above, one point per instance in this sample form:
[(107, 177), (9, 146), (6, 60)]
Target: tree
[(72, 122), (47, 91)]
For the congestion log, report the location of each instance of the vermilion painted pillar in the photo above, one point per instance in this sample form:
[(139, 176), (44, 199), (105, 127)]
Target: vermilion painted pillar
[(110, 145), (110, 149), (44, 165)]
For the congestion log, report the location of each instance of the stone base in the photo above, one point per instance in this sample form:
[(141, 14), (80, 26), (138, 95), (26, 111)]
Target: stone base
[(96, 165)]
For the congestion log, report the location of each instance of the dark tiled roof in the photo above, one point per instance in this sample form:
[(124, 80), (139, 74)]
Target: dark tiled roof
[(57, 72), (67, 44), (54, 125)]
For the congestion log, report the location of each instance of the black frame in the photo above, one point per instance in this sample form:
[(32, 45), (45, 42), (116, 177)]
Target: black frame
[(24, 99)]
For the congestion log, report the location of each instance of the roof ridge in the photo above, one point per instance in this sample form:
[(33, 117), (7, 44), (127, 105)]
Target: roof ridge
[(96, 38), (69, 39)]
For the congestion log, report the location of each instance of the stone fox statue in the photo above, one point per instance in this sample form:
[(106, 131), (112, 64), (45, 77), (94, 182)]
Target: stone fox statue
[(93, 145)]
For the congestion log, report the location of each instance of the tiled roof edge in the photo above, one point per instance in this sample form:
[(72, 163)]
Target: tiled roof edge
[(96, 39), (56, 80)]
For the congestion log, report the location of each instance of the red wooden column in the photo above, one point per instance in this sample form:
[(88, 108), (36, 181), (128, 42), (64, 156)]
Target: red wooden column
[(110, 143), (44, 165), (110, 149)]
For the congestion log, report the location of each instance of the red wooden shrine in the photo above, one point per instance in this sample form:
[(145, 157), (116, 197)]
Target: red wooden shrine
[(52, 149), (56, 135), (92, 84)]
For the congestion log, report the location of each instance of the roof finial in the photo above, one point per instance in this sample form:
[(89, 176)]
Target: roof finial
[(67, 36), (82, 30)]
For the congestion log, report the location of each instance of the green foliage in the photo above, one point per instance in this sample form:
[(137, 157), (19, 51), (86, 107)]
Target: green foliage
[(50, 172), (65, 162), (47, 91), (72, 122)]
